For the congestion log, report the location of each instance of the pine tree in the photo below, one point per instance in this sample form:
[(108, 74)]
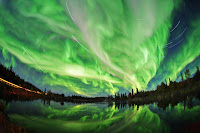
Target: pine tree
[(187, 74), (182, 76), (132, 92), (197, 69)]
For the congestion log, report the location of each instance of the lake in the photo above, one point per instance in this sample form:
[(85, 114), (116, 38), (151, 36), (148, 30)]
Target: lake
[(105, 117)]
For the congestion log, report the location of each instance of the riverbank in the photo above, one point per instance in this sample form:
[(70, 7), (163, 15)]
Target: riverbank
[(165, 98), (6, 126)]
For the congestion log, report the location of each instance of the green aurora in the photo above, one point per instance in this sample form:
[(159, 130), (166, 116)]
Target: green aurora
[(96, 47)]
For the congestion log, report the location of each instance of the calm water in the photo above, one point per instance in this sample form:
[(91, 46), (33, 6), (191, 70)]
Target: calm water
[(103, 117)]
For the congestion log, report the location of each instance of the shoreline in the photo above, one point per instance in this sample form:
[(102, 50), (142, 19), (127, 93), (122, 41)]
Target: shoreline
[(6, 126)]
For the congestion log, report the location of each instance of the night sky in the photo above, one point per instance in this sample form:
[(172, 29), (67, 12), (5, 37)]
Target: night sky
[(99, 47)]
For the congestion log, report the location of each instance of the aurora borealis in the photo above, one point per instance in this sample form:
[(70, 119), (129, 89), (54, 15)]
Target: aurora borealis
[(99, 47)]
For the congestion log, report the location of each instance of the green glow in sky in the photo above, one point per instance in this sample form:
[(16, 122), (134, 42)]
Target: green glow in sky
[(94, 47)]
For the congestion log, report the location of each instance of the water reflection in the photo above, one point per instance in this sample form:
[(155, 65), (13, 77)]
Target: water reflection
[(103, 117)]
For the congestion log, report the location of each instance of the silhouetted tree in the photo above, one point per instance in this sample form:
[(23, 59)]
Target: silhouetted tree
[(11, 68), (182, 76), (132, 92), (129, 95), (197, 69), (170, 81), (187, 74)]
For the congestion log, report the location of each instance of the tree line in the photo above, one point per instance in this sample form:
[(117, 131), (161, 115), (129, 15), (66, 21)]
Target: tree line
[(163, 88)]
